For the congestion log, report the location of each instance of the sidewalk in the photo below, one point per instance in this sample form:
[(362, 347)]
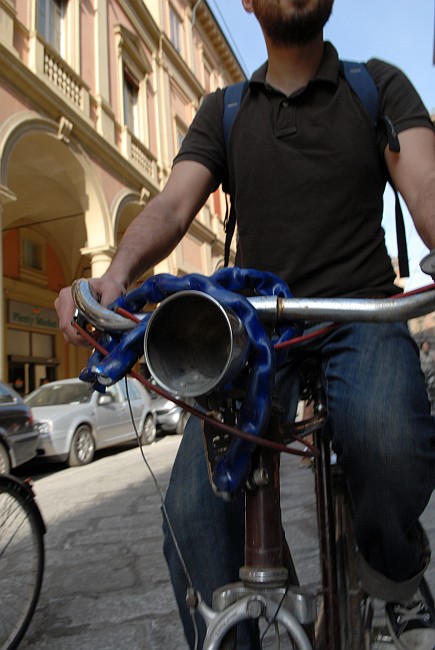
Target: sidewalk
[(106, 585)]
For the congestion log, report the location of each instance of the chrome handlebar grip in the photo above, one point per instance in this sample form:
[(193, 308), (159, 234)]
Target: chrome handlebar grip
[(100, 317)]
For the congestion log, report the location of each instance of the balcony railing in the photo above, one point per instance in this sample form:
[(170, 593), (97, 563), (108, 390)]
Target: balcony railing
[(55, 71), (61, 77), (138, 154), (48, 64)]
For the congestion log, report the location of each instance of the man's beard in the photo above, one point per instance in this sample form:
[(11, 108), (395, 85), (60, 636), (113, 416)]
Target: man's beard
[(297, 28)]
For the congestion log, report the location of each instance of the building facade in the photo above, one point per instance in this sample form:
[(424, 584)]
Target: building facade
[(95, 98)]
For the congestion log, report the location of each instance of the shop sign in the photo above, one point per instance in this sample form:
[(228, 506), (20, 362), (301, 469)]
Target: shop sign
[(21, 313)]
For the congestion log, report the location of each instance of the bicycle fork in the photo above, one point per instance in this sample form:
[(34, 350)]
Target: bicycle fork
[(269, 587)]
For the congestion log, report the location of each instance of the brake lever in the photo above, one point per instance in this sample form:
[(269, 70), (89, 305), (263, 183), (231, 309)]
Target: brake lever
[(80, 319)]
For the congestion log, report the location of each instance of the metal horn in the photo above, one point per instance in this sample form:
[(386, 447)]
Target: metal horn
[(193, 344)]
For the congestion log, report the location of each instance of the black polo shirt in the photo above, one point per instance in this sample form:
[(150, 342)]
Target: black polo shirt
[(307, 175)]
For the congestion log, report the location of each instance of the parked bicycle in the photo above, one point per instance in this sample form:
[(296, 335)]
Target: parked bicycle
[(22, 532), (208, 361)]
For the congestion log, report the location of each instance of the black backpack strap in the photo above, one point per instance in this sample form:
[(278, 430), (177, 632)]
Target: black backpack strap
[(233, 96), (402, 247), (229, 228), (361, 82)]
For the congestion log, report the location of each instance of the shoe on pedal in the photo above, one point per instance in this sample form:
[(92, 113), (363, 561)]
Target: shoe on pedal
[(411, 624)]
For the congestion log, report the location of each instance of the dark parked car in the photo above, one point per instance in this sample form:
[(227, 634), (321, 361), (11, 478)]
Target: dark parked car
[(170, 417), (18, 437)]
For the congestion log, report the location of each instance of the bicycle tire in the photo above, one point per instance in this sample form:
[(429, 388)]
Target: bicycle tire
[(22, 532)]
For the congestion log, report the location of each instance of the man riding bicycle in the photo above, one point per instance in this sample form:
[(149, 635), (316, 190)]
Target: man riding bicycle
[(307, 171)]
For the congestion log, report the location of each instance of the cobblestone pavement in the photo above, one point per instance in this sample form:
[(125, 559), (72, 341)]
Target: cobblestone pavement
[(106, 586)]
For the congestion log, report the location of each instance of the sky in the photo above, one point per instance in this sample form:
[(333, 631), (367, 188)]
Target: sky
[(398, 31)]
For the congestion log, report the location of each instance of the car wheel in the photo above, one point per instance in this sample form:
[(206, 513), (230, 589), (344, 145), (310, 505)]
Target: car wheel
[(5, 462), (149, 431), (181, 424), (82, 447)]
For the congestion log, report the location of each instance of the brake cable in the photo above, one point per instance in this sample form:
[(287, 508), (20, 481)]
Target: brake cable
[(258, 440)]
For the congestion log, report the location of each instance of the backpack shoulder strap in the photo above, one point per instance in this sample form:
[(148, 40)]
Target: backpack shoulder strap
[(233, 96), (361, 81)]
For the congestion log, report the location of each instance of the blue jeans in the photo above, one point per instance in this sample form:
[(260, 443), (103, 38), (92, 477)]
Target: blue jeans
[(384, 436)]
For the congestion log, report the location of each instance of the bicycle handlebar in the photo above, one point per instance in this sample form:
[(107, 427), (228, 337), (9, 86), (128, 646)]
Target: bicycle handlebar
[(194, 346), (274, 309)]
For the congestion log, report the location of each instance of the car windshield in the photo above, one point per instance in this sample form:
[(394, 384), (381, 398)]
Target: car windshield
[(55, 394), (5, 396)]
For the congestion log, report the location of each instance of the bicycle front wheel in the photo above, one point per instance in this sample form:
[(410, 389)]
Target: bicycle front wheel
[(21, 559)]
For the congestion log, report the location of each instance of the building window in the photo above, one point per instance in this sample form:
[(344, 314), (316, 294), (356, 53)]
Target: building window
[(134, 69), (180, 133), (207, 79), (131, 111), (32, 257), (50, 22), (209, 75), (180, 130), (32, 254), (175, 29)]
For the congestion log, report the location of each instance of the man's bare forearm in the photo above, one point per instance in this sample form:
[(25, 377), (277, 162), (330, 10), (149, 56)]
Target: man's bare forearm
[(413, 174), (423, 212)]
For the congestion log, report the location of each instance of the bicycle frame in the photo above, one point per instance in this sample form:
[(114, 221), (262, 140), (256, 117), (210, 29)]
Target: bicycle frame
[(268, 570), (269, 584)]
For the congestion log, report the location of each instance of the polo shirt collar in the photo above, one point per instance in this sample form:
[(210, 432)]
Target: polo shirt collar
[(329, 69)]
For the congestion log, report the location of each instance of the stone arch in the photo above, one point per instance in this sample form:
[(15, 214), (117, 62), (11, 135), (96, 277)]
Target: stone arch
[(66, 194), (125, 206)]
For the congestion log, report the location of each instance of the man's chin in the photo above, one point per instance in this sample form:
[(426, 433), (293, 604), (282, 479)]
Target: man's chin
[(293, 22)]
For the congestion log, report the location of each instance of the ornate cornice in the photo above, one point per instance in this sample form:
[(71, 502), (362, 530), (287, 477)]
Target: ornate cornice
[(229, 60)]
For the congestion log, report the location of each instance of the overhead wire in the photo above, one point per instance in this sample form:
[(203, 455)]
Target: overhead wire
[(230, 36)]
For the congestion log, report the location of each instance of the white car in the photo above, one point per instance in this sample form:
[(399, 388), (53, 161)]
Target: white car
[(73, 421)]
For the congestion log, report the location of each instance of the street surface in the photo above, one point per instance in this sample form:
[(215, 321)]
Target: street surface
[(106, 585)]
